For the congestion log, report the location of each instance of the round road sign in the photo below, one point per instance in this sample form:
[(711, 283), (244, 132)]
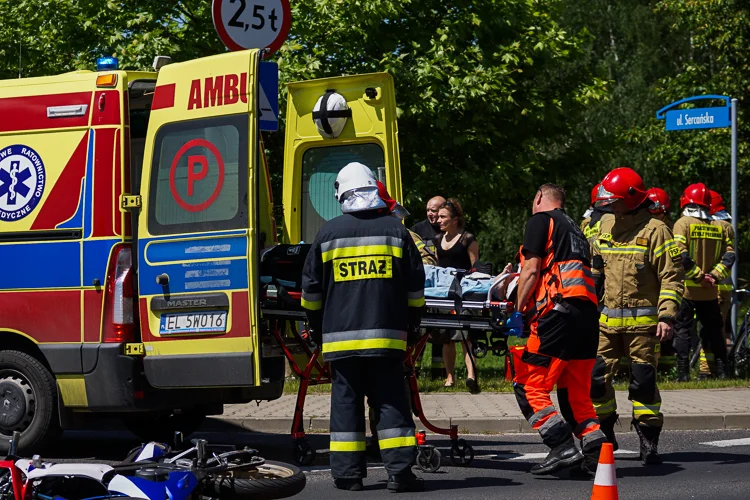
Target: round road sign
[(252, 24), (197, 172)]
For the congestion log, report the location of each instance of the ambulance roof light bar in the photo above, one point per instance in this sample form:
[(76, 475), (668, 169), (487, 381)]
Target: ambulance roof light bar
[(107, 64)]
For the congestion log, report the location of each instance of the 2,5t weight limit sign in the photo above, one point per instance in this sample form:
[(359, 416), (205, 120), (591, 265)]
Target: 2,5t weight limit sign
[(252, 24)]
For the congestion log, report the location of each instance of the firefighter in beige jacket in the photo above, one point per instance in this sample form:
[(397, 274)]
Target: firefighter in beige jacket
[(642, 288)]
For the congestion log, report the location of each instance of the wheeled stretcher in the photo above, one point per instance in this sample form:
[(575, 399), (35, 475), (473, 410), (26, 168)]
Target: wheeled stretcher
[(284, 329)]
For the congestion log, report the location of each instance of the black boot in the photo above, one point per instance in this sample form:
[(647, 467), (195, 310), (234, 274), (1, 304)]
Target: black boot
[(607, 425), (649, 437), (591, 449), (561, 456), (406, 482), (683, 369), (720, 369), (348, 484)]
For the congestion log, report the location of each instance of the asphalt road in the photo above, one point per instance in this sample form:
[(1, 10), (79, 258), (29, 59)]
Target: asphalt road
[(692, 469)]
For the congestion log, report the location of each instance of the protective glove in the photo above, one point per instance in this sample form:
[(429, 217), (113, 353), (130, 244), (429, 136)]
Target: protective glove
[(514, 325)]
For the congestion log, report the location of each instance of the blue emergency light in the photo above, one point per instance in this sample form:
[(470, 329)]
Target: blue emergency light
[(107, 63)]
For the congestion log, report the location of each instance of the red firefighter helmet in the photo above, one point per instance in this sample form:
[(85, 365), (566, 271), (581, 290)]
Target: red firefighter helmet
[(594, 194), (696, 194), (622, 184), (717, 203), (660, 199)]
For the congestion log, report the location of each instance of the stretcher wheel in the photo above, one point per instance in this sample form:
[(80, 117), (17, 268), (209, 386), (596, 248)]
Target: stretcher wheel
[(462, 453), (428, 459), (304, 454)]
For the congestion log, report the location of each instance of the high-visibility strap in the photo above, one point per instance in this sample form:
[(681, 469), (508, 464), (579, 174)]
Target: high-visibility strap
[(644, 409), (680, 238), (663, 248), (415, 299), (605, 408), (363, 251), (363, 345), (692, 273), (670, 294), (396, 438), (620, 322), (725, 288), (544, 412), (312, 301), (629, 312), (551, 422), (348, 442), (627, 250), (721, 270)]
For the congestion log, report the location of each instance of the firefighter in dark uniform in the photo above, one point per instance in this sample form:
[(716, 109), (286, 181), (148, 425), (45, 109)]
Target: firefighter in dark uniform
[(363, 288), (660, 210)]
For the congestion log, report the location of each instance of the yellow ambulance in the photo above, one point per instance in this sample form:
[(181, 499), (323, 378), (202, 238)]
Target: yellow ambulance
[(134, 210)]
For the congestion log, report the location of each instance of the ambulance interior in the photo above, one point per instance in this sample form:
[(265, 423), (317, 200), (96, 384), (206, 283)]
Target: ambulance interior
[(140, 97)]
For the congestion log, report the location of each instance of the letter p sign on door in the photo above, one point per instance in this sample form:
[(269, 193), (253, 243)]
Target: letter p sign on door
[(198, 167), (193, 174)]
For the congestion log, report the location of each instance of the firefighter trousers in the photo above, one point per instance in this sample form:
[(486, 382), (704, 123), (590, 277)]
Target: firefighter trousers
[(708, 312), (643, 351), (667, 356), (381, 379), (560, 351)]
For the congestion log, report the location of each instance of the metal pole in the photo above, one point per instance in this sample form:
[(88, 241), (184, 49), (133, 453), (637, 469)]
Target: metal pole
[(735, 216)]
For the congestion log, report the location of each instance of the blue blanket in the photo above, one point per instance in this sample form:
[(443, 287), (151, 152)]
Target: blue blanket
[(438, 282)]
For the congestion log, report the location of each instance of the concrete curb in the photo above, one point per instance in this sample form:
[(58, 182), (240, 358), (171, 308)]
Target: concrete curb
[(503, 425)]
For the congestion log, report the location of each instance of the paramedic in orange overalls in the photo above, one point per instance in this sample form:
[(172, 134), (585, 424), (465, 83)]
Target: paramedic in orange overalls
[(557, 295)]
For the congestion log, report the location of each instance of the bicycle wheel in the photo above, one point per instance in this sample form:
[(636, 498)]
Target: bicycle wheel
[(269, 481)]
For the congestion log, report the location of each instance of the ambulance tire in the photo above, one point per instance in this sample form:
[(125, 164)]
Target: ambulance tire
[(27, 382), (161, 426)]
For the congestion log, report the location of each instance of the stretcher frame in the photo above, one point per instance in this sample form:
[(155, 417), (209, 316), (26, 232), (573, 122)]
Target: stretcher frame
[(485, 316)]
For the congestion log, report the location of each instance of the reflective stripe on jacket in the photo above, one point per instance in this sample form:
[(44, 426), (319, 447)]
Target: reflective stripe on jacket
[(566, 268), (364, 272), (643, 277), (706, 247)]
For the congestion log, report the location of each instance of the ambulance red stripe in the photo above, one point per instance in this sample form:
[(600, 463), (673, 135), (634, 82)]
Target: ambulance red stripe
[(30, 112), (163, 97), (63, 200), (104, 204), (92, 315), (45, 316)]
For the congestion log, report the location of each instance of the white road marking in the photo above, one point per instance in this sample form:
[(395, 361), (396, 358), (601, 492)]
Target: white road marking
[(537, 456), (726, 443)]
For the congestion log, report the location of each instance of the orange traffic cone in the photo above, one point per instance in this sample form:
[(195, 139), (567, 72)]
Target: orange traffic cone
[(605, 482)]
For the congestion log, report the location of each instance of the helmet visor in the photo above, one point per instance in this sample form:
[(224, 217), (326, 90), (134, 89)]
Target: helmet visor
[(604, 198)]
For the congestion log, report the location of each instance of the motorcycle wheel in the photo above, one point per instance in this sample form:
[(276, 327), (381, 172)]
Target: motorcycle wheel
[(269, 481)]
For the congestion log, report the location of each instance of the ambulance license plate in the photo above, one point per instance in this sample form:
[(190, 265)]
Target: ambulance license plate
[(201, 322)]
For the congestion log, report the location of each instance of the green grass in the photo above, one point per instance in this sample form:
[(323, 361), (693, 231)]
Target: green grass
[(492, 378)]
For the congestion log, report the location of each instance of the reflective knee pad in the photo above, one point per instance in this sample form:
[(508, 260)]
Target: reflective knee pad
[(598, 386), (643, 382)]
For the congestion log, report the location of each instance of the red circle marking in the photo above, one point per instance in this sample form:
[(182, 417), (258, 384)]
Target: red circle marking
[(184, 149), (232, 45)]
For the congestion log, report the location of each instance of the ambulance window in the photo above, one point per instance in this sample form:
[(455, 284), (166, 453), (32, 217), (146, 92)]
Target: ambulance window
[(320, 166), (199, 176)]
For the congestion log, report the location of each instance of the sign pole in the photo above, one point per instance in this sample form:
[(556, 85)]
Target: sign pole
[(735, 216)]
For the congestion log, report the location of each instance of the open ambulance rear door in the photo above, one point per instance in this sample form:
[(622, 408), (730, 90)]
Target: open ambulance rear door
[(313, 157), (198, 228)]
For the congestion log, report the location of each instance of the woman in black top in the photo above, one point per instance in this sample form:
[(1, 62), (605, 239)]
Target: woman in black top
[(458, 249)]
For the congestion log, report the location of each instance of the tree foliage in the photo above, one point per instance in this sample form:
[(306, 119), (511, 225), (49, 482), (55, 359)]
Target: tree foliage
[(495, 97)]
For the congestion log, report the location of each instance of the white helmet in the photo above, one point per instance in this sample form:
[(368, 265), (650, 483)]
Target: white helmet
[(354, 176), (330, 114)]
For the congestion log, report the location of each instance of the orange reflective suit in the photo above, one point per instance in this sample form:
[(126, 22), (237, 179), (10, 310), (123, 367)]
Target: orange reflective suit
[(561, 349)]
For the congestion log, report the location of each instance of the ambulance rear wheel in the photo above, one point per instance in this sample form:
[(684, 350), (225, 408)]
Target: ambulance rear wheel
[(161, 426), (28, 402)]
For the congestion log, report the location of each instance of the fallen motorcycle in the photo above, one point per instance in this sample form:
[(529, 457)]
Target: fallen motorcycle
[(154, 472)]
